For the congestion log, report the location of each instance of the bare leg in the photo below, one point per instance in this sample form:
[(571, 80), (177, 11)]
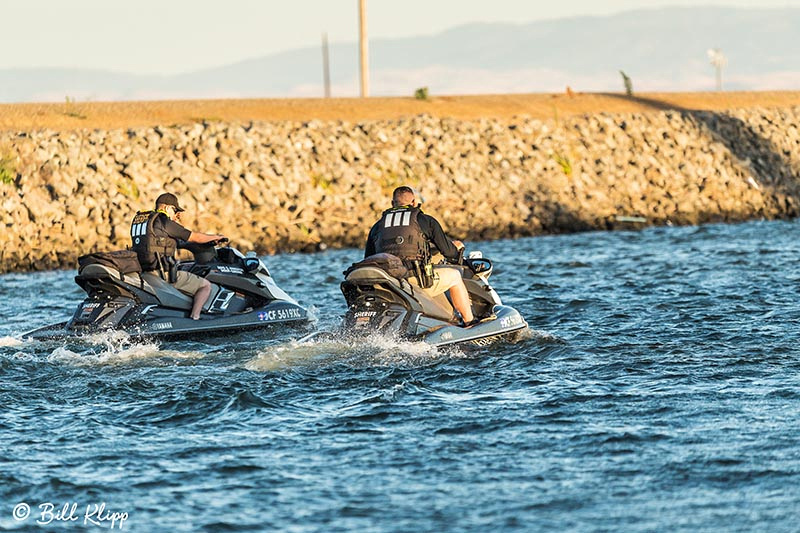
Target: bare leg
[(460, 298), (200, 298)]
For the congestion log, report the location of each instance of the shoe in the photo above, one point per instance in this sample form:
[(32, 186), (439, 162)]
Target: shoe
[(470, 323)]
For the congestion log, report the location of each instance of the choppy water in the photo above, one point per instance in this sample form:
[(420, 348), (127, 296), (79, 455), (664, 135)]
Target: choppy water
[(658, 391)]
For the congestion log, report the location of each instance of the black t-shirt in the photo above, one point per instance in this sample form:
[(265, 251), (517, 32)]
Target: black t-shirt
[(164, 226), (430, 228)]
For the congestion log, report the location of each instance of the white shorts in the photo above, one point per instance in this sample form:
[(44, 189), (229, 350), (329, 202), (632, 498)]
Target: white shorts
[(444, 278)]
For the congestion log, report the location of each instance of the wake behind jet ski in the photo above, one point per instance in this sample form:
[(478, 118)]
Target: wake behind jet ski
[(379, 302), (142, 304)]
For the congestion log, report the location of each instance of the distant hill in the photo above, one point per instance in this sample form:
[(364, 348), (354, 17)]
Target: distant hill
[(660, 49)]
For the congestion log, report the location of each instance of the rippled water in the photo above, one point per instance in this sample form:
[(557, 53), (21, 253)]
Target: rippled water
[(658, 391)]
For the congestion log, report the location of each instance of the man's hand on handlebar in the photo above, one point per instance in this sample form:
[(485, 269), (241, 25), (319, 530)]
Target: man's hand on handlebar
[(459, 259)]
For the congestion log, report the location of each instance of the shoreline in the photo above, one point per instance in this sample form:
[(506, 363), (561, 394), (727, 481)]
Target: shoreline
[(297, 185)]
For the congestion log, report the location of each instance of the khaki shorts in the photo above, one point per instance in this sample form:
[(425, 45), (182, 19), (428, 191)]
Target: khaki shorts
[(187, 282), (444, 278)]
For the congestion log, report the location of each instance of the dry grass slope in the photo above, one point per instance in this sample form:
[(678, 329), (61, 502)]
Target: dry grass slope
[(116, 115)]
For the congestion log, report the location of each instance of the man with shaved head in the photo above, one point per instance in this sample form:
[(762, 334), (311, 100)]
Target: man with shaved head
[(406, 232)]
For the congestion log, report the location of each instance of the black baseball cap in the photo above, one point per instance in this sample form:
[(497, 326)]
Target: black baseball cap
[(169, 199)]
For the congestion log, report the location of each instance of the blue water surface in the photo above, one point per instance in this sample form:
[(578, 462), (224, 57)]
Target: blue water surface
[(657, 390)]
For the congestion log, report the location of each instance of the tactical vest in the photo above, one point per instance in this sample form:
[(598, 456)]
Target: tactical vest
[(151, 245), (400, 234)]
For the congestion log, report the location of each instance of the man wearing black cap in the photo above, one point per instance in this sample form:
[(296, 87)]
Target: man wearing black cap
[(155, 236)]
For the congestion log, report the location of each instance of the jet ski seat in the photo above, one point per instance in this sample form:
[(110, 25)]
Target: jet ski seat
[(97, 271), (438, 307), (168, 295), (149, 282)]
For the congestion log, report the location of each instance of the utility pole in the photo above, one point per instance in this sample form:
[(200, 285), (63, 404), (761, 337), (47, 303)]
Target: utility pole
[(718, 60), (326, 69), (363, 52)]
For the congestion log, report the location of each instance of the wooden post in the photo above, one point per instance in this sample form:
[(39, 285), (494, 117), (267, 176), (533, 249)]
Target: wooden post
[(326, 69), (363, 52)]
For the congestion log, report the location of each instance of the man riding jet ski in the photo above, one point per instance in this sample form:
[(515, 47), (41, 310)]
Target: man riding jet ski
[(406, 232), (398, 289), (155, 236), (145, 292)]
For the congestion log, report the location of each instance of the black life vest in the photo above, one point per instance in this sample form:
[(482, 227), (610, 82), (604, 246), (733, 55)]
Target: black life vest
[(399, 234), (151, 244)]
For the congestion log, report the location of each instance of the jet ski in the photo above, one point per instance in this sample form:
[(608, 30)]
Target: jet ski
[(142, 304), (381, 303)]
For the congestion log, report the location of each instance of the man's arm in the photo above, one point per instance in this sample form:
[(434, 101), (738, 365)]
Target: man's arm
[(369, 249), (178, 232), (433, 230), (203, 238)]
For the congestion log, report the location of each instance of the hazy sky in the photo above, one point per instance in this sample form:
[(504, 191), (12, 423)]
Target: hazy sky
[(170, 36)]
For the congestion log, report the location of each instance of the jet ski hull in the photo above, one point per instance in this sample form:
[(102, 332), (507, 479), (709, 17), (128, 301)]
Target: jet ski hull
[(166, 324), (506, 324)]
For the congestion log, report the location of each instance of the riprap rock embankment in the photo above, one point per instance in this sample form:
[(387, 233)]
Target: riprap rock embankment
[(286, 186)]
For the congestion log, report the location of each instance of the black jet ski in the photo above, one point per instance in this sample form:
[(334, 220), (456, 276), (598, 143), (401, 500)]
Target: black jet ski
[(142, 304), (379, 302)]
